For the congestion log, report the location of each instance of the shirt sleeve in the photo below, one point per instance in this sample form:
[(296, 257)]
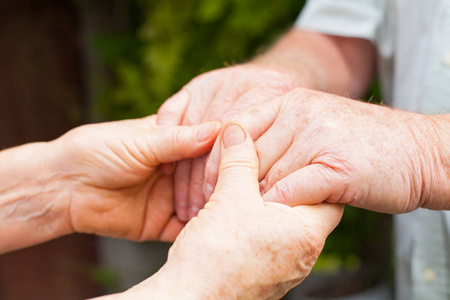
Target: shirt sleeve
[(349, 18)]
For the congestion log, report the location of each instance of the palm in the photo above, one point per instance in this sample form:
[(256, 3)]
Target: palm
[(114, 184)]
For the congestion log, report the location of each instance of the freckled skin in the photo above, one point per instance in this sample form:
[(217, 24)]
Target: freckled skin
[(239, 247), (220, 95), (330, 148)]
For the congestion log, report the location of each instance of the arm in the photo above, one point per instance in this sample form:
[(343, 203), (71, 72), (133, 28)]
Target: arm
[(33, 204), (338, 65), (100, 178), (436, 161)]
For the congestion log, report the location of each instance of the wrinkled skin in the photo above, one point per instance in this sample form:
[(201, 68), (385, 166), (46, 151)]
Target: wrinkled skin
[(321, 147), (218, 95), (239, 247), (110, 176)]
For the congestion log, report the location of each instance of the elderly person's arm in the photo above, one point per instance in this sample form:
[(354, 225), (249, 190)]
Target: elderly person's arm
[(239, 247), (100, 178)]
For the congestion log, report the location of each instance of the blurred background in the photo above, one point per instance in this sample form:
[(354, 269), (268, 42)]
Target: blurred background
[(68, 62)]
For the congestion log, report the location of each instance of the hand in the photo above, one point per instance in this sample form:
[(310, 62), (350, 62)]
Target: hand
[(218, 95), (110, 173), (322, 147), (239, 247)]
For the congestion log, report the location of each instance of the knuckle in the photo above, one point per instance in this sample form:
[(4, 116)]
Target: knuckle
[(313, 245), (176, 137), (237, 166), (283, 192)]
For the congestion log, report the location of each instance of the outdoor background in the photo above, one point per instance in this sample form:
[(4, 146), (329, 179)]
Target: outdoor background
[(64, 63)]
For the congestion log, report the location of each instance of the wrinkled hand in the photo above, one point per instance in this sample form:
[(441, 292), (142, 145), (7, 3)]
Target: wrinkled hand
[(239, 247), (111, 176), (322, 147), (218, 95)]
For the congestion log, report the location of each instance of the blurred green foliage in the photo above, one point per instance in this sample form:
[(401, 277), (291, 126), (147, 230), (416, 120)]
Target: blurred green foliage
[(170, 42)]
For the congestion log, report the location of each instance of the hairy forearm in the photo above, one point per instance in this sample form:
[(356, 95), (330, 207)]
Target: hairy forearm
[(338, 65), (32, 204)]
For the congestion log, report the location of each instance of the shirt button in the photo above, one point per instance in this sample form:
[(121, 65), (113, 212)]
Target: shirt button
[(446, 60), (429, 275)]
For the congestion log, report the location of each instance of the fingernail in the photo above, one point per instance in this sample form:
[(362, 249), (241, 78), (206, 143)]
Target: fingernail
[(209, 189), (193, 212), (206, 131), (262, 187), (182, 212), (233, 135)]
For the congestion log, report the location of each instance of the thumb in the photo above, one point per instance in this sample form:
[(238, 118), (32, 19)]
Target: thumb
[(169, 144), (239, 165)]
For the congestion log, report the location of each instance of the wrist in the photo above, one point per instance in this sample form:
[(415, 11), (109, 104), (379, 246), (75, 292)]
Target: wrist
[(32, 197), (172, 282), (435, 152)]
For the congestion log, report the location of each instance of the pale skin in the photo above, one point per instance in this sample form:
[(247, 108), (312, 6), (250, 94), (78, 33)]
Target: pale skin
[(324, 148), (102, 179), (228, 251), (107, 179), (343, 66)]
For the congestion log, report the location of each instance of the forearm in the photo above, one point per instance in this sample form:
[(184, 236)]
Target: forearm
[(169, 283), (338, 65), (436, 162), (32, 204)]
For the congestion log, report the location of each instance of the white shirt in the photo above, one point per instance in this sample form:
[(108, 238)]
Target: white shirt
[(413, 42)]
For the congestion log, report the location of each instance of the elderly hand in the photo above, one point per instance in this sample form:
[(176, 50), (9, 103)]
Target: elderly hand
[(218, 95), (322, 147), (100, 178), (239, 247), (111, 171)]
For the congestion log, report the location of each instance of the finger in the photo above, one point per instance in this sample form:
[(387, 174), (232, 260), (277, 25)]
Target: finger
[(196, 196), (300, 153), (172, 229), (312, 184), (168, 168), (200, 96), (170, 144), (181, 186), (238, 171), (175, 143), (172, 111), (211, 170), (158, 210), (321, 219), (273, 144), (256, 119)]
